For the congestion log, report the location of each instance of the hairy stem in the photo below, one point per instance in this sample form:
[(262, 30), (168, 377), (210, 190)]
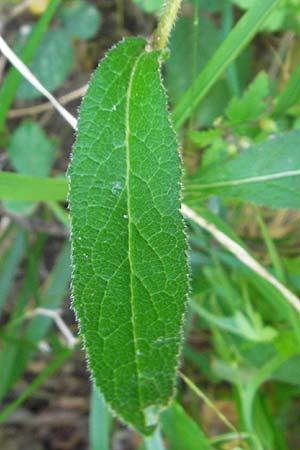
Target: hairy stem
[(161, 36)]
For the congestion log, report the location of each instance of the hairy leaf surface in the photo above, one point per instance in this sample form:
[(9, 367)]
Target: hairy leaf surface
[(129, 249)]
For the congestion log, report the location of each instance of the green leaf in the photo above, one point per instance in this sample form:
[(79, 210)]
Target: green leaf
[(129, 249), (206, 137), (290, 94), (81, 19), (20, 207), (15, 186), (11, 263), (289, 372), (211, 6), (267, 174), (51, 64), (232, 46), (149, 5), (31, 153), (250, 106), (181, 430)]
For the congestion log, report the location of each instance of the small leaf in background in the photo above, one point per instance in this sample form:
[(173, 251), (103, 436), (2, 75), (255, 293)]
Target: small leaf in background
[(206, 137), (251, 105), (216, 152), (31, 153), (81, 19), (51, 64), (266, 174), (129, 249), (149, 5)]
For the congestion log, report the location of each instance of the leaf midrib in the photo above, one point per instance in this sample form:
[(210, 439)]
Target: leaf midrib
[(248, 180), (129, 221)]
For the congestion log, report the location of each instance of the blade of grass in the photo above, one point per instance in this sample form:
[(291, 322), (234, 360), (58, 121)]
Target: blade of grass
[(100, 422), (5, 232), (13, 77), (236, 41), (52, 297), (16, 186), (50, 369), (223, 438), (275, 258), (290, 94), (60, 213), (13, 327), (12, 261), (39, 326), (208, 402), (242, 255), (279, 270), (227, 24)]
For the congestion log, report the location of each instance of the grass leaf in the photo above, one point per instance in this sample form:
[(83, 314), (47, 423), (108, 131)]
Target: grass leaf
[(290, 94), (236, 41), (100, 422), (15, 186), (11, 263)]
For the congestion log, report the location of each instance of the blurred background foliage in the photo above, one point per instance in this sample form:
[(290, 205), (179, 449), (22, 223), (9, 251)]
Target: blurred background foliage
[(242, 344)]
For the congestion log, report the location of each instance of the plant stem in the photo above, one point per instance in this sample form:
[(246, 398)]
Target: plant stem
[(161, 35), (55, 364), (155, 442)]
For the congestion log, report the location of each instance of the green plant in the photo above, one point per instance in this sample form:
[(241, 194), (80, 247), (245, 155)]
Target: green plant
[(130, 276)]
